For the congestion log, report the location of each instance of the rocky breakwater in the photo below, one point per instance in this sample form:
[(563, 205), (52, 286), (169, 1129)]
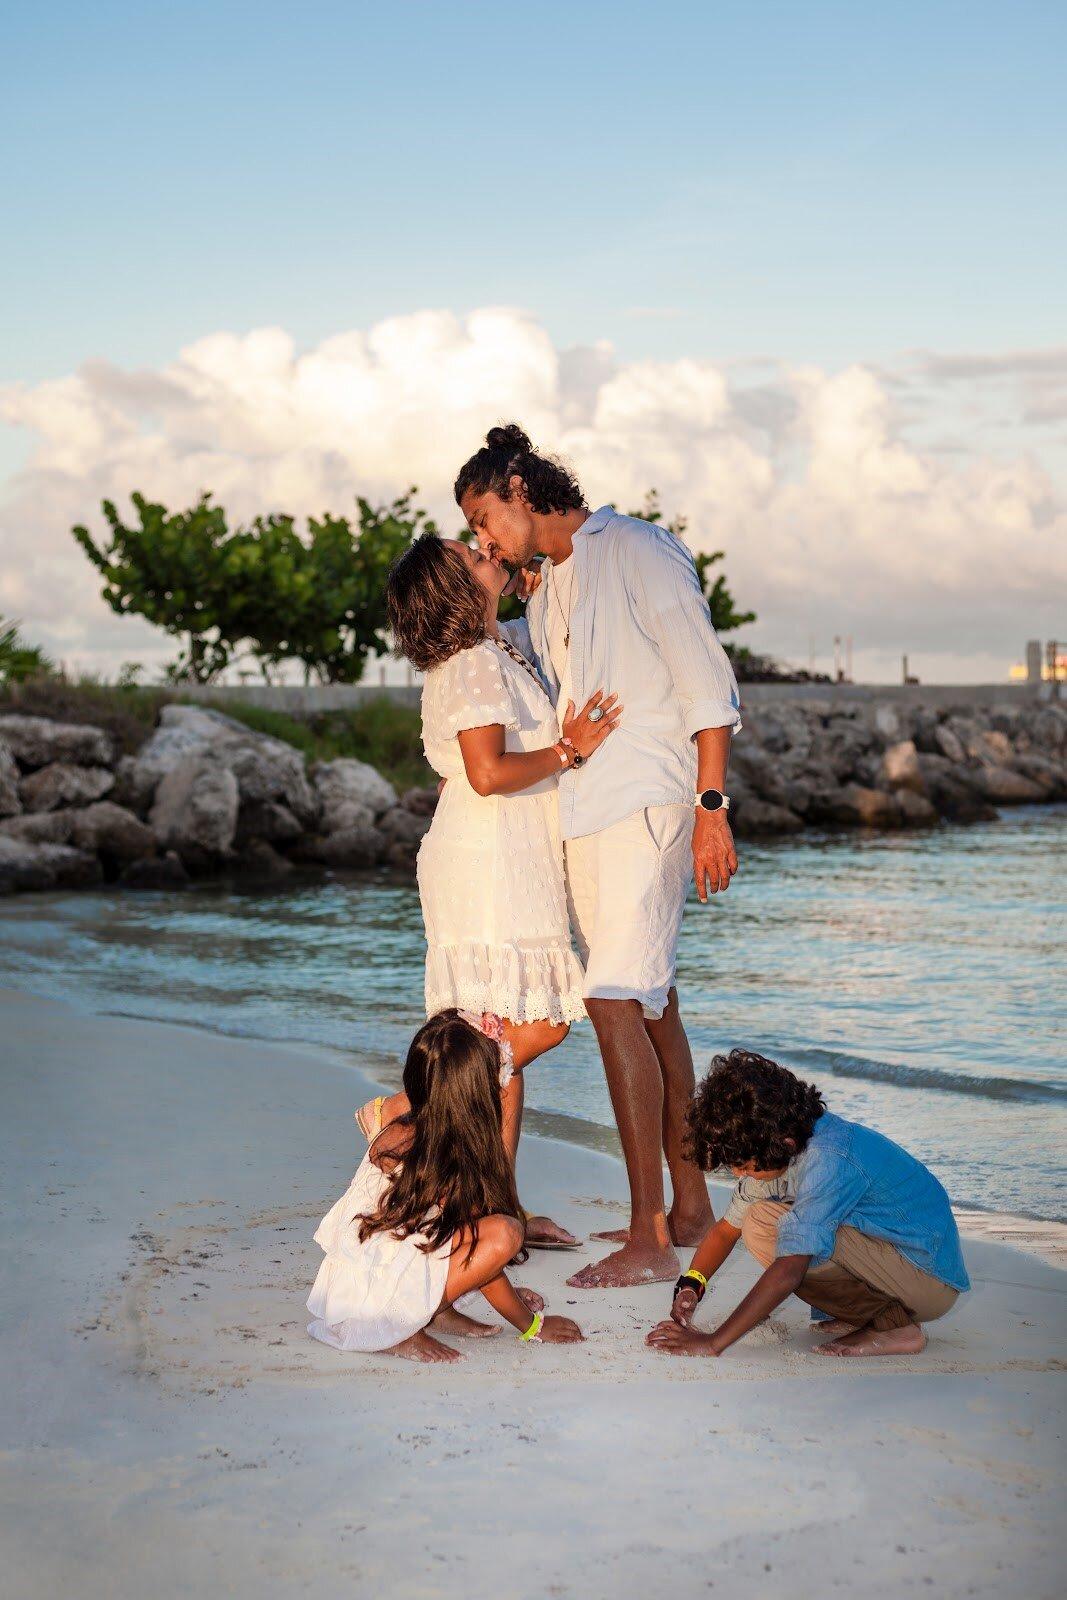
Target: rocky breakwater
[(204, 796), (880, 764)]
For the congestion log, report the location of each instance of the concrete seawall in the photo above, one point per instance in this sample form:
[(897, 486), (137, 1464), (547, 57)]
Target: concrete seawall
[(310, 699)]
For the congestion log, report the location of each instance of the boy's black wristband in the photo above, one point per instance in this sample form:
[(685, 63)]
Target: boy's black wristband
[(686, 1282)]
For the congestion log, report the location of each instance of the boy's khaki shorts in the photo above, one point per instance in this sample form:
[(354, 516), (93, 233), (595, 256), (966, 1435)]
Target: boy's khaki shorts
[(626, 891)]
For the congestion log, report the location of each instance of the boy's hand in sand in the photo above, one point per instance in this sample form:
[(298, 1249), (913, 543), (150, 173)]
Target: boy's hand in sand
[(677, 1340), (560, 1330)]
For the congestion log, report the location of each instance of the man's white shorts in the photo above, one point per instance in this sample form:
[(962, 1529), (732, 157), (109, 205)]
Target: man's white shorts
[(626, 891)]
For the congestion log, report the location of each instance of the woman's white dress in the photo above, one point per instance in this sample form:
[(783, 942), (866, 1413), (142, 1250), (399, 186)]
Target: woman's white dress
[(490, 870), (370, 1295)]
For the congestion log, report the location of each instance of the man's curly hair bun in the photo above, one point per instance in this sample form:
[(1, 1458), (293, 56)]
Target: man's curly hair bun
[(750, 1111), (507, 453)]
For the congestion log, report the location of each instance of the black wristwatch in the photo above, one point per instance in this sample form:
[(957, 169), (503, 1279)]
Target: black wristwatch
[(713, 800)]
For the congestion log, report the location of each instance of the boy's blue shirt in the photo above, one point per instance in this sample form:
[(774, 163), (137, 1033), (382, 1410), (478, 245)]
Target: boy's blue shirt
[(848, 1174)]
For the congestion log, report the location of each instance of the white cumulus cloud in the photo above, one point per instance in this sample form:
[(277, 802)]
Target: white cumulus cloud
[(834, 516)]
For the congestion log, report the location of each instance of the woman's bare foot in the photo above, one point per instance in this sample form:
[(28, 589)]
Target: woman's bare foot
[(633, 1264), (542, 1233), (531, 1300), (423, 1347), (676, 1340), (449, 1320), (907, 1341)]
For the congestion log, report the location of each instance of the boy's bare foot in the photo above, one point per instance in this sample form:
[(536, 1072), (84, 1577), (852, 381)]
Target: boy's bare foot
[(449, 1320), (835, 1329), (422, 1346), (676, 1340), (907, 1341), (531, 1300), (560, 1330), (633, 1264)]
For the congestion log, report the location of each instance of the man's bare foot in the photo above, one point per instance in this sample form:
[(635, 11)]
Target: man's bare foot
[(449, 1320), (423, 1347), (676, 1340), (835, 1329), (684, 1231), (531, 1300), (633, 1264), (542, 1233), (907, 1341)]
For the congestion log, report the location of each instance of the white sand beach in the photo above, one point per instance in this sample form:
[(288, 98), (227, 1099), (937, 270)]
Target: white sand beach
[(169, 1428)]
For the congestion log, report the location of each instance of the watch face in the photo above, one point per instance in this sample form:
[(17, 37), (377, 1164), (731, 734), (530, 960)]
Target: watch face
[(711, 800)]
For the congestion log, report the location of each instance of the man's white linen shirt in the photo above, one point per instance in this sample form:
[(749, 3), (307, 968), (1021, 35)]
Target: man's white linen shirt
[(639, 628)]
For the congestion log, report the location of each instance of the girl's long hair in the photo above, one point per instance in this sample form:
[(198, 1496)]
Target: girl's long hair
[(455, 1168)]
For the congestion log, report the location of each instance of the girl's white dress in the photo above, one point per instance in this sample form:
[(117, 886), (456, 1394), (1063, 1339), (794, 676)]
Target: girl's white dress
[(370, 1295), (490, 870)]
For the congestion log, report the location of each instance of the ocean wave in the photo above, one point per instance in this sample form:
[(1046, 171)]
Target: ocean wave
[(841, 1065)]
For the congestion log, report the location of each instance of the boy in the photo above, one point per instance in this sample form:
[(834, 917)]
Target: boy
[(837, 1214)]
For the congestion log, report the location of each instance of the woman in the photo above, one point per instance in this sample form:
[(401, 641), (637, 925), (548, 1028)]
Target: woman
[(490, 870)]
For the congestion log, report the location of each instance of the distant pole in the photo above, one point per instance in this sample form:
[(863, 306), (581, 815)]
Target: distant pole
[(1033, 661), (848, 659), (837, 658), (904, 661), (811, 655)]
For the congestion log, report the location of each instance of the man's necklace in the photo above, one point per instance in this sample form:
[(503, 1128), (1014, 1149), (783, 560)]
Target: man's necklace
[(566, 615)]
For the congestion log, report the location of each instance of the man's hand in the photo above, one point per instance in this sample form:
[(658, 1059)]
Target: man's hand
[(714, 856)]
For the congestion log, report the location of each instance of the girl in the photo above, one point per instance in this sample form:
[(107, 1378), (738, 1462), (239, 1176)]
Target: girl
[(490, 870), (432, 1212)]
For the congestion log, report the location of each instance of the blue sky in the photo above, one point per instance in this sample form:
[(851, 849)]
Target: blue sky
[(799, 266), (821, 182)]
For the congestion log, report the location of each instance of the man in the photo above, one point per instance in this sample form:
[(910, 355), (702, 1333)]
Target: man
[(619, 607)]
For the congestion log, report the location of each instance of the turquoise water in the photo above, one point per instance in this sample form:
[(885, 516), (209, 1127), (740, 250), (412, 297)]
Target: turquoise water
[(917, 978)]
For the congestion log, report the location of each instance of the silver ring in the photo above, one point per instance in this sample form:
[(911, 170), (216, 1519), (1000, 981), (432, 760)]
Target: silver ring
[(596, 715)]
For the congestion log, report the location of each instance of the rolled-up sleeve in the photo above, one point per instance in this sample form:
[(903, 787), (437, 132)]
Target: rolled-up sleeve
[(677, 615), (829, 1186)]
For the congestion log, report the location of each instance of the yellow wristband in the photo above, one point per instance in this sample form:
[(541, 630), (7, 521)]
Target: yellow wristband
[(534, 1330), (699, 1276)]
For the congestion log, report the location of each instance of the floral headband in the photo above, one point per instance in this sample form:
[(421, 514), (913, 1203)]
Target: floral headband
[(493, 1028)]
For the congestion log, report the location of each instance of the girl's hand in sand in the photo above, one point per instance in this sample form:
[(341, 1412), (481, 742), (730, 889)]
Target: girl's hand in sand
[(676, 1340), (684, 1307), (560, 1330)]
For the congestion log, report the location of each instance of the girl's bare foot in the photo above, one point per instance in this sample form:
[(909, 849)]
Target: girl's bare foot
[(907, 1341), (531, 1300), (542, 1233), (633, 1264), (449, 1320), (423, 1347), (684, 1231)]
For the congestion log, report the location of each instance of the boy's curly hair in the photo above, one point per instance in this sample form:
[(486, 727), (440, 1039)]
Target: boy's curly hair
[(745, 1110)]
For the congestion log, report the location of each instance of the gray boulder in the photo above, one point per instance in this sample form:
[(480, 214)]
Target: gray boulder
[(39, 827), (10, 804), (855, 806), (916, 811), (349, 792), (258, 859), (37, 742), (756, 818), (1006, 788), (135, 785), (25, 866), (195, 811), (63, 785), (900, 767), (1050, 775), (948, 743), (269, 820), (423, 802), (111, 831), (953, 791), (364, 846), (155, 872), (266, 769), (400, 826)]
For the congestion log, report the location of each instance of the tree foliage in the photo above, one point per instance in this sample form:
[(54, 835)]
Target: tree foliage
[(20, 661), (263, 590)]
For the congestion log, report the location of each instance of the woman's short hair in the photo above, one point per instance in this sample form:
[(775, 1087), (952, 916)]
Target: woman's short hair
[(750, 1111), (436, 606), (507, 451)]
